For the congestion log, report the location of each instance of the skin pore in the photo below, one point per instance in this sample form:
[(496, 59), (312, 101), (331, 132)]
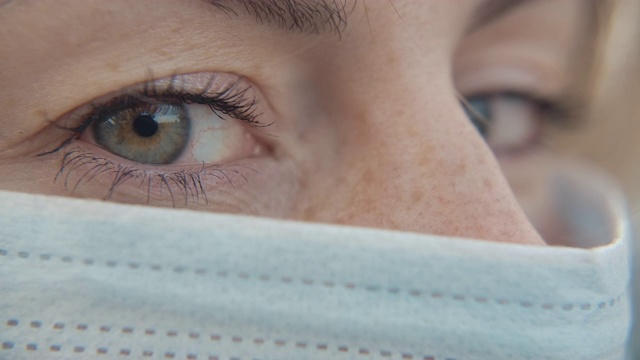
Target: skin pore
[(358, 116)]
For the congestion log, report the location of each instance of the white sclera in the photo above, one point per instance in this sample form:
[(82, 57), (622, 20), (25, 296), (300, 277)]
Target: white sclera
[(166, 118), (215, 137), (514, 122)]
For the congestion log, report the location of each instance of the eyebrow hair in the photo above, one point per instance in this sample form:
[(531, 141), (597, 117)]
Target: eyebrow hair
[(304, 16)]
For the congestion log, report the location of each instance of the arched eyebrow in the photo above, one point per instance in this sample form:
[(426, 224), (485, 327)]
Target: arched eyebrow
[(305, 16)]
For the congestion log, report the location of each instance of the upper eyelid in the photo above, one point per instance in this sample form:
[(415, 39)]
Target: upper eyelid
[(230, 89), (234, 95), (508, 74), (176, 88)]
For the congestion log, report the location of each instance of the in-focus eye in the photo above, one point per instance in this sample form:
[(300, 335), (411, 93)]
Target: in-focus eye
[(183, 120), (509, 122), (151, 134)]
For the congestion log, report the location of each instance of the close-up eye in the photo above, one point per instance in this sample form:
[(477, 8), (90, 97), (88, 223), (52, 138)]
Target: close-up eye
[(188, 119), (317, 179), (173, 141), (166, 131), (512, 122)]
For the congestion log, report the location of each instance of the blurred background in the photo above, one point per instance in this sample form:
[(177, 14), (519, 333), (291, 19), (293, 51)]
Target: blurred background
[(611, 137)]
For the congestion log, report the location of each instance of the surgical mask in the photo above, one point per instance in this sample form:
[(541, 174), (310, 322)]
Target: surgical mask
[(88, 279)]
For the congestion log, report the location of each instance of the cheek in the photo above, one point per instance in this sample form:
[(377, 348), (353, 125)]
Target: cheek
[(28, 174)]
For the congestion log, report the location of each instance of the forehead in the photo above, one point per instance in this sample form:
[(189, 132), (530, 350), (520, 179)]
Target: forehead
[(311, 16), (65, 37)]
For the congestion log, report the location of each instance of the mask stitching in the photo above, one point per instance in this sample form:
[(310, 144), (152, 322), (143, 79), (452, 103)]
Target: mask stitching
[(179, 269), (192, 335)]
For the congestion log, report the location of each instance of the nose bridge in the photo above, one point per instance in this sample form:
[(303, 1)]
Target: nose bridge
[(404, 156), (406, 118), (405, 96), (418, 165)]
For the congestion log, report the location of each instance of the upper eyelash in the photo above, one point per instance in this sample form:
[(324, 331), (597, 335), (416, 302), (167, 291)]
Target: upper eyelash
[(229, 101)]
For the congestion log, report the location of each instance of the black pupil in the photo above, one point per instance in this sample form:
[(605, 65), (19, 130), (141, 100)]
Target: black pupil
[(144, 125)]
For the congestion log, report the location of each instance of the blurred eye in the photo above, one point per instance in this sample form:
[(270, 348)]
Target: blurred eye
[(509, 122)]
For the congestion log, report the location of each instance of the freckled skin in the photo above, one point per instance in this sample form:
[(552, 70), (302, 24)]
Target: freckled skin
[(409, 159)]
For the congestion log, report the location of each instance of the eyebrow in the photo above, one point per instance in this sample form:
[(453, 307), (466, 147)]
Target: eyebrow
[(301, 16)]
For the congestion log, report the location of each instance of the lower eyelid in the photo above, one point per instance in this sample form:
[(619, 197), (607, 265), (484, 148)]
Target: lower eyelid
[(181, 186)]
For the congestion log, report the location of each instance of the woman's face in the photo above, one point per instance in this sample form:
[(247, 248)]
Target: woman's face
[(317, 110)]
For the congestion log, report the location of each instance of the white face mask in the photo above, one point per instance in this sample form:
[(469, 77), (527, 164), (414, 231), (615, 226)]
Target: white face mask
[(86, 279)]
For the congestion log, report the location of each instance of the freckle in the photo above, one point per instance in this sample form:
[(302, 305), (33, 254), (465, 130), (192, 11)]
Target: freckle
[(418, 196), (367, 177), (393, 224), (303, 183), (442, 200), (41, 113), (424, 161), (392, 59), (487, 184), (113, 66), (309, 213)]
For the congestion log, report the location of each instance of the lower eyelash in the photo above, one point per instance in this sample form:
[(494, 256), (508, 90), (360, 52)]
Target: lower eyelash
[(188, 183)]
